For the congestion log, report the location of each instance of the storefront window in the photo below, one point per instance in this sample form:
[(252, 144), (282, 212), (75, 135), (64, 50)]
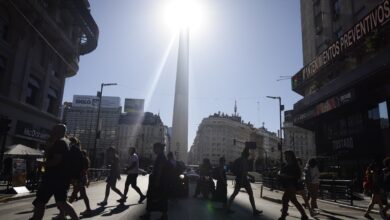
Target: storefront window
[(383, 115)]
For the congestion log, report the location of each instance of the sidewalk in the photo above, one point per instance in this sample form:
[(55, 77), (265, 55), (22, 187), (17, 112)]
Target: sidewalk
[(360, 205)]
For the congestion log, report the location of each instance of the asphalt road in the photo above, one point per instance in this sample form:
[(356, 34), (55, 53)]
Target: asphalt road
[(180, 209)]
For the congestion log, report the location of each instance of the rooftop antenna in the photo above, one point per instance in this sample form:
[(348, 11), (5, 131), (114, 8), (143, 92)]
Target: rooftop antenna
[(235, 107)]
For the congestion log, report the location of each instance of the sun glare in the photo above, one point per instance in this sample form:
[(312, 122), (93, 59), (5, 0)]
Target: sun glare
[(180, 14)]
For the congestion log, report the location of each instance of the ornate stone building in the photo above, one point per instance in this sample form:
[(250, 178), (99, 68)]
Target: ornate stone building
[(40, 45)]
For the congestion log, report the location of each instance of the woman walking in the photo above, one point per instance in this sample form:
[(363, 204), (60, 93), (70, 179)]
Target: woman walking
[(312, 179), (373, 175), (289, 176)]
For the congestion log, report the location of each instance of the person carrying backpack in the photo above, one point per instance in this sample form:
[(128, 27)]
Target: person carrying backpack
[(373, 173), (386, 182), (80, 180)]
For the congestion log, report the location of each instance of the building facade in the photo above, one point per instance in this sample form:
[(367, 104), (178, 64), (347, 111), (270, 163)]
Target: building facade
[(40, 45), (80, 117), (215, 138), (345, 80), (140, 130), (297, 139)]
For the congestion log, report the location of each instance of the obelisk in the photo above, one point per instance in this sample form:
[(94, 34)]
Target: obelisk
[(180, 110)]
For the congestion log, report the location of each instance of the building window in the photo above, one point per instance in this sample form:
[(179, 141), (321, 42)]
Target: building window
[(336, 9), (51, 101), (2, 67), (32, 91), (383, 115), (4, 28), (318, 22)]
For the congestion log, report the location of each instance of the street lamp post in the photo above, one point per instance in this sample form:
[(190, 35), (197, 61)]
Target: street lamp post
[(97, 131), (281, 108)]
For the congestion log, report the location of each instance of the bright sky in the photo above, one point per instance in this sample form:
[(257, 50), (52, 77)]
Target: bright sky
[(236, 53)]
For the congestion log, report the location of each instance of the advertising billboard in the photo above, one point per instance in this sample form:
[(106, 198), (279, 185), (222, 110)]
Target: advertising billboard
[(93, 101), (134, 105)]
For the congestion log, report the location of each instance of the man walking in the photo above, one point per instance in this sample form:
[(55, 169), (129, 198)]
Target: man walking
[(240, 169), (56, 179), (157, 188), (132, 175), (114, 175)]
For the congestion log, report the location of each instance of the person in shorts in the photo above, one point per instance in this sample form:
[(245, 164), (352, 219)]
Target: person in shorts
[(132, 175), (114, 175), (242, 181), (55, 180)]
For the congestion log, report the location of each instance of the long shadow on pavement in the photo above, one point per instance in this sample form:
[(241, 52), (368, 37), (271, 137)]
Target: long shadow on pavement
[(96, 212), (118, 209), (336, 214)]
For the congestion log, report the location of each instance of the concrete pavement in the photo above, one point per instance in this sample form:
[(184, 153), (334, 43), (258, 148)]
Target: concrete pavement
[(187, 209)]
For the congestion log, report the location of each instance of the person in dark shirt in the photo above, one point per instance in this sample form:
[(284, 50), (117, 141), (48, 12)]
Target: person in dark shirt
[(55, 180), (205, 184), (243, 182), (219, 174), (113, 176), (157, 199), (289, 176)]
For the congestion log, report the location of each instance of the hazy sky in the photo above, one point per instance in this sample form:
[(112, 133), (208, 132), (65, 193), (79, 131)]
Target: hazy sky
[(237, 53)]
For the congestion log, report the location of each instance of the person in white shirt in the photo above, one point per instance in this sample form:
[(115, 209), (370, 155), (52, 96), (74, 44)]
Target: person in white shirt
[(132, 175), (312, 179)]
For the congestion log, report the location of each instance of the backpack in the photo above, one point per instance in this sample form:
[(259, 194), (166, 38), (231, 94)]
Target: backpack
[(76, 162), (367, 182), (307, 174), (236, 168), (386, 181)]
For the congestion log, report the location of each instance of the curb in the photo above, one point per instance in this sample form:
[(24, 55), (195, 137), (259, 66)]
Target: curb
[(13, 197), (279, 201)]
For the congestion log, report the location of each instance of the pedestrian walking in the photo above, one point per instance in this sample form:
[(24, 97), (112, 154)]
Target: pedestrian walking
[(173, 177), (312, 180), (205, 184), (374, 175), (289, 176), (240, 169), (113, 176), (301, 188), (56, 179), (132, 175), (219, 173), (81, 181), (157, 200), (386, 183)]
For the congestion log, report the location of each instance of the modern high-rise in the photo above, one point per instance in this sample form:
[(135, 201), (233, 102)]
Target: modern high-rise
[(40, 45), (345, 80), (80, 117)]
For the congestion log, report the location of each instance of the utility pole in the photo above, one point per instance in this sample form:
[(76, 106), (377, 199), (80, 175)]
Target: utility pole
[(97, 131), (281, 108)]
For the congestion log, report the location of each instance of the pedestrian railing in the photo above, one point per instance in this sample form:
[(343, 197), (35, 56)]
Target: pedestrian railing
[(334, 190), (95, 174), (329, 189)]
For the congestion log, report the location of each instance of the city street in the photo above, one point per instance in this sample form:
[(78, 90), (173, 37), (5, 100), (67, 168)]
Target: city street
[(189, 209)]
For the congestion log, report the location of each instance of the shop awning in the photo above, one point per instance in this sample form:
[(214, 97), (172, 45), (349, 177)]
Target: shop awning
[(21, 150)]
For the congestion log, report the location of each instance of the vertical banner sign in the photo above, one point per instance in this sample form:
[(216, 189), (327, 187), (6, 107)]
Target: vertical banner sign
[(18, 172)]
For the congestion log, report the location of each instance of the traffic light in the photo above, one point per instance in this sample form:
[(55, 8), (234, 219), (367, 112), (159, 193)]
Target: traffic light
[(281, 107), (4, 125), (234, 141)]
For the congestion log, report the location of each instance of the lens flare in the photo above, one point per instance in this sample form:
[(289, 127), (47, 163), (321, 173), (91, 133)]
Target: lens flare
[(180, 14)]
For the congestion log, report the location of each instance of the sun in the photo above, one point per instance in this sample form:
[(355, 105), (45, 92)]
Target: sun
[(183, 14)]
